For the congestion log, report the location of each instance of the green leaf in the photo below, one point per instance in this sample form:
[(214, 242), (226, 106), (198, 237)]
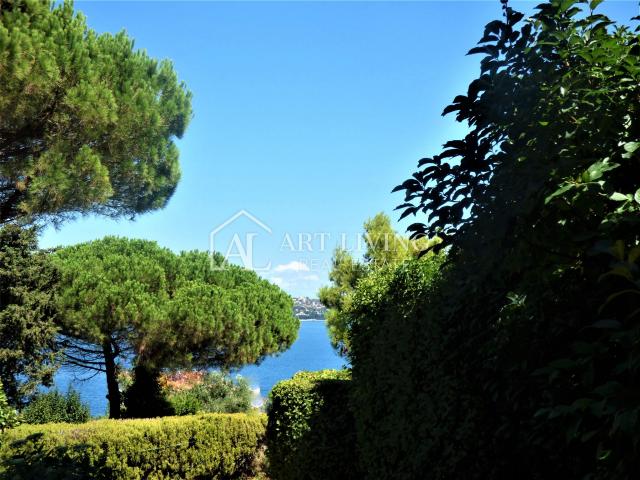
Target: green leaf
[(607, 389), (582, 403), (625, 421), (594, 4), (597, 169), (566, 4), (629, 148), (558, 192), (634, 254), (618, 250), (619, 197), (607, 324)]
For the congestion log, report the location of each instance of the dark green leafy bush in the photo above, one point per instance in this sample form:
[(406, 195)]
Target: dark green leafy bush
[(54, 407), (407, 398), (522, 360), (215, 393), (212, 446), (311, 431), (185, 403)]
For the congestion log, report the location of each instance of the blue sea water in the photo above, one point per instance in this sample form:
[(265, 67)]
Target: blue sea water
[(311, 351)]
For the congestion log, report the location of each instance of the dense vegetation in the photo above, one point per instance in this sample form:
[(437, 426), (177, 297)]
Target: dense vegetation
[(120, 297), (216, 446), (55, 407), (510, 349), (188, 392), (69, 101), (8, 415), (86, 122), (519, 359), (311, 432), (87, 125), (213, 392), (28, 354), (407, 399), (384, 248)]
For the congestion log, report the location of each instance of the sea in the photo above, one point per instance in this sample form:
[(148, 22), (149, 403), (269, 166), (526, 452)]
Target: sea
[(311, 351)]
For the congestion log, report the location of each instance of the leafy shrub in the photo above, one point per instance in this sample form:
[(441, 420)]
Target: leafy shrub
[(8, 415), (185, 403), (522, 361), (54, 407), (182, 392), (311, 431), (213, 393), (408, 401), (385, 248), (216, 446)]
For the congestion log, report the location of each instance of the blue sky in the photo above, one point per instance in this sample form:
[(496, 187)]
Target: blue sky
[(306, 115)]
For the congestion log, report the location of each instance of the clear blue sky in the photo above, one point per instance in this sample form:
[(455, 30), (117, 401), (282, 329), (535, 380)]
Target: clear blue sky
[(306, 115)]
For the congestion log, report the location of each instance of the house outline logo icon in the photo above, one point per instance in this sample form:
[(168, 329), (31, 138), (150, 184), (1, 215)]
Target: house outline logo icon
[(244, 249)]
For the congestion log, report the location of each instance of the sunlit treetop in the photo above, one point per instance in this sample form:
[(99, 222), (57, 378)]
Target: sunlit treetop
[(87, 123)]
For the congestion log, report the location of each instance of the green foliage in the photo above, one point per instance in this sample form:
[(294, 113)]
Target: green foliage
[(216, 393), (119, 295), (54, 407), (311, 431), (27, 312), (216, 446), (86, 122), (185, 403), (384, 248), (405, 398), (8, 415), (344, 275), (522, 361)]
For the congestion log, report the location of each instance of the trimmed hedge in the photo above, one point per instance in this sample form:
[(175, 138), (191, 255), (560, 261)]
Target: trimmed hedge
[(416, 416), (311, 429), (215, 446)]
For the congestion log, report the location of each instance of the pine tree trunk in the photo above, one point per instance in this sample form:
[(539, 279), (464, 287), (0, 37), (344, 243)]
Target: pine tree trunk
[(113, 394), (145, 397)]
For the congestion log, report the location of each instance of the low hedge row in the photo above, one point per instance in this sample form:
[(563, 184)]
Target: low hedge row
[(311, 429), (213, 446)]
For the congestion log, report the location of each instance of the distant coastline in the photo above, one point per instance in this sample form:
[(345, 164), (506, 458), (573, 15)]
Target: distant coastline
[(306, 308)]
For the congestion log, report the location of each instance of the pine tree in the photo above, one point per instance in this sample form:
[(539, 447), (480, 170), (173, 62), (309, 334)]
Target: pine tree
[(123, 298), (86, 122), (27, 313)]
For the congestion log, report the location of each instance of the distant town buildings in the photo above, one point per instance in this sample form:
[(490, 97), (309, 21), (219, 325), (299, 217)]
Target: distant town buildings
[(308, 308)]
